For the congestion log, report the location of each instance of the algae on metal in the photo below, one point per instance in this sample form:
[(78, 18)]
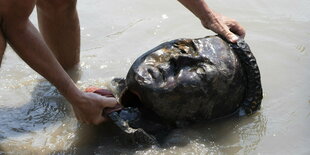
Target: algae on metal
[(189, 80)]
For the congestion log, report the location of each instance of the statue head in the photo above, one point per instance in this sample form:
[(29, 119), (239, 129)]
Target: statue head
[(187, 79)]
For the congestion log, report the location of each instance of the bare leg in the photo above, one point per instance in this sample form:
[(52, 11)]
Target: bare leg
[(2, 45), (59, 25)]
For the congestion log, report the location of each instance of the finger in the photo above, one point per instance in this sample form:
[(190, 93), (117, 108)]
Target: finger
[(91, 89), (238, 29), (81, 120), (224, 31), (109, 102), (77, 117), (104, 92), (84, 121), (99, 120), (231, 36)]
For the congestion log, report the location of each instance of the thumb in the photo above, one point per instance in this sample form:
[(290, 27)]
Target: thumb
[(108, 102), (114, 106), (99, 120), (231, 37)]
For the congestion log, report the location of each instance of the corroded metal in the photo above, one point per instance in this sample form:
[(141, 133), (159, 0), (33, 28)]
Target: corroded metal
[(188, 80), (254, 91), (194, 79)]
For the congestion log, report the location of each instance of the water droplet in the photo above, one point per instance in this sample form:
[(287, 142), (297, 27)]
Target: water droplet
[(164, 16), (301, 48), (103, 66), (128, 60), (264, 94)]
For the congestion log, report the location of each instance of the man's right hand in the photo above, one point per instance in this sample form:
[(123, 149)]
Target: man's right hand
[(89, 107), (224, 26)]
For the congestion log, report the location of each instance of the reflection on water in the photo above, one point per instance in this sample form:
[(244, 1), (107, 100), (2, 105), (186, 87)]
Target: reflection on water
[(43, 123), (35, 119), (232, 135)]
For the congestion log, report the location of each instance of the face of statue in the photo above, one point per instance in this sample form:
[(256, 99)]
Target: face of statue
[(172, 66), (176, 78)]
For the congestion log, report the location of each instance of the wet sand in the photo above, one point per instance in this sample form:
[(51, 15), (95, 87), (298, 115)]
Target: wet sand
[(35, 119)]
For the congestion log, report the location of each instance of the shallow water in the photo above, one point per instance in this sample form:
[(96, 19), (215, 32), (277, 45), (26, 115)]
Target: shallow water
[(35, 119)]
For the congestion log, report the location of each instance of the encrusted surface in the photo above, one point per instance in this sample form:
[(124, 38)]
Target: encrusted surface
[(195, 79)]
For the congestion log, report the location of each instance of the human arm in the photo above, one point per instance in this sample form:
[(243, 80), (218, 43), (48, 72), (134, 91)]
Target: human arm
[(30, 46), (221, 25)]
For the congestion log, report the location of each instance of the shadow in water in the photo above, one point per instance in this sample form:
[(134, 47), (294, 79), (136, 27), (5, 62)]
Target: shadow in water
[(106, 139), (46, 123), (230, 135), (36, 125), (19, 126)]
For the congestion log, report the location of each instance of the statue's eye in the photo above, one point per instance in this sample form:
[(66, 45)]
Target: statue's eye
[(200, 70)]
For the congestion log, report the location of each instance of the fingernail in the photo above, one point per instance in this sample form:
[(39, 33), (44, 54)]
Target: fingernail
[(235, 38)]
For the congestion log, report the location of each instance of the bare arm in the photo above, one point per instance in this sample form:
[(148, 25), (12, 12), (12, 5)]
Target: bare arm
[(30, 46), (222, 25)]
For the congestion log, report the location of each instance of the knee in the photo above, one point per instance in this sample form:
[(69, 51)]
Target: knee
[(2, 45), (57, 5), (16, 9)]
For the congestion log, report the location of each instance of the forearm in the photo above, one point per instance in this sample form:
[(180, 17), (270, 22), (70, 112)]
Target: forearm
[(226, 27), (29, 45), (198, 8)]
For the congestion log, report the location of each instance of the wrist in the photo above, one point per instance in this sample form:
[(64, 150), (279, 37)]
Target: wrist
[(200, 9), (71, 92), (208, 17)]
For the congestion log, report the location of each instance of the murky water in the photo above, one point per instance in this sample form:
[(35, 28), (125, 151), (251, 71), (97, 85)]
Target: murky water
[(35, 119)]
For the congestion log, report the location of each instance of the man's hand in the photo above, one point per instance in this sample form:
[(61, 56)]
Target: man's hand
[(224, 26), (219, 24), (88, 108)]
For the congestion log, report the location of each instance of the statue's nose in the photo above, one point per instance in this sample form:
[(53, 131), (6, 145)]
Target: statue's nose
[(185, 61)]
